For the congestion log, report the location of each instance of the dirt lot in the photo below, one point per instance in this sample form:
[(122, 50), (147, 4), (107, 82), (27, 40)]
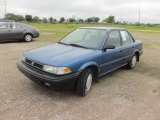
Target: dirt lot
[(120, 95)]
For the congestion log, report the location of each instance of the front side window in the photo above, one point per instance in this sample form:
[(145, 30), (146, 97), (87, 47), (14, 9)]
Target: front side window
[(114, 39), (126, 38), (90, 38), (4, 25)]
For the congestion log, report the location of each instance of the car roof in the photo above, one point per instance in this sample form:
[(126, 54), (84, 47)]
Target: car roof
[(6, 20), (103, 28)]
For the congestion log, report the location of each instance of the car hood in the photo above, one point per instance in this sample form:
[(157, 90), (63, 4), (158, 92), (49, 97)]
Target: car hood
[(57, 54)]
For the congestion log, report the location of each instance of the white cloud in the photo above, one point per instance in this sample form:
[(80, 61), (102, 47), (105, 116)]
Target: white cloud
[(122, 9)]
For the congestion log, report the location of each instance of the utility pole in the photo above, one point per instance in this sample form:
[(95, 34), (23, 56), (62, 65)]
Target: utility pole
[(5, 9), (121, 18), (139, 19)]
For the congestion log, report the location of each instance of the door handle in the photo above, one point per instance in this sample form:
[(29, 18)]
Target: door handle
[(121, 51), (133, 47)]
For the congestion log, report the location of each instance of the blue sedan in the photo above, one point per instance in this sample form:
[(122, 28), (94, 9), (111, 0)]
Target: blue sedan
[(81, 57)]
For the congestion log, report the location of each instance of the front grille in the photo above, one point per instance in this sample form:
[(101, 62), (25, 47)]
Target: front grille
[(34, 64), (38, 65), (28, 61)]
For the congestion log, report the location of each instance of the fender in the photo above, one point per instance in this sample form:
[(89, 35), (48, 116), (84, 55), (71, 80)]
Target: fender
[(91, 63), (136, 50)]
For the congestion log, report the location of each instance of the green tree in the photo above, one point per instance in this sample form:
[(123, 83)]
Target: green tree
[(61, 20), (55, 20), (80, 20), (28, 18), (71, 20), (97, 19), (92, 19), (51, 19), (19, 18), (45, 20), (36, 19), (10, 16), (88, 20), (110, 19)]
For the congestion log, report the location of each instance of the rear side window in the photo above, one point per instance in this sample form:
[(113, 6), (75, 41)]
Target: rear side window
[(114, 39), (16, 26), (4, 25), (126, 38)]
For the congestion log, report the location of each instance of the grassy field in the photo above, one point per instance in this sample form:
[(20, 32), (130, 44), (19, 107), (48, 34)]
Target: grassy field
[(55, 31)]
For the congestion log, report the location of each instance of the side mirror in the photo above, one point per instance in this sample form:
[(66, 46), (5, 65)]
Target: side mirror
[(109, 47)]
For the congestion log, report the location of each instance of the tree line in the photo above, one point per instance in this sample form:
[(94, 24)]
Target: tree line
[(37, 19)]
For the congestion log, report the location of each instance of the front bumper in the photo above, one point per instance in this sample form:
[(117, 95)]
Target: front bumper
[(36, 34), (39, 76)]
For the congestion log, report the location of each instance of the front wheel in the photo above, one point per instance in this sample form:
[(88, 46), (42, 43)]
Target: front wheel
[(28, 38), (85, 82), (132, 63)]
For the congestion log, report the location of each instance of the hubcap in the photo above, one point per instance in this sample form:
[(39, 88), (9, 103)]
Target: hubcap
[(88, 83), (28, 38), (134, 60)]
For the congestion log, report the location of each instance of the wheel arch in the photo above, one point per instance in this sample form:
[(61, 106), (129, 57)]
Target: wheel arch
[(28, 33), (137, 54), (92, 65)]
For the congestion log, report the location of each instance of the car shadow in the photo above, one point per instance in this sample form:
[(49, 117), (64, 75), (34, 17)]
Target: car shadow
[(52, 92), (15, 41)]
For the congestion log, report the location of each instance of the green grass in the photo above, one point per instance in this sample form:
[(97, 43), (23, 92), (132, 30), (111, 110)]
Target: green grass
[(142, 28), (56, 31)]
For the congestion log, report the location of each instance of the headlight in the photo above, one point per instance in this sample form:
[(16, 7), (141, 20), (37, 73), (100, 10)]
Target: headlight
[(56, 70), (23, 58)]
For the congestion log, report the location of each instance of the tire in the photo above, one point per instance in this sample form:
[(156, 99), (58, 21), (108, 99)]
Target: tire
[(85, 82), (131, 64), (28, 38)]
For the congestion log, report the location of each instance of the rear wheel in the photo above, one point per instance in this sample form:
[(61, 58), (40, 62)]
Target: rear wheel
[(85, 82), (28, 38), (133, 62)]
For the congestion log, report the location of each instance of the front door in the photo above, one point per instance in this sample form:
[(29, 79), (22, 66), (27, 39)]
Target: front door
[(5, 29), (112, 58)]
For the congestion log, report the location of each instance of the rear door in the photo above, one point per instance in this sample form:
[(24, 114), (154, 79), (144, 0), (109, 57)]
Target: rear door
[(128, 46), (5, 29), (112, 58), (16, 31)]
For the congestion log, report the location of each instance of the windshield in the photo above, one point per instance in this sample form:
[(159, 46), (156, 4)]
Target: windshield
[(89, 38)]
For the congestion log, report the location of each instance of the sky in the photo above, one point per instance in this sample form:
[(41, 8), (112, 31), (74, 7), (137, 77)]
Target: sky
[(123, 10)]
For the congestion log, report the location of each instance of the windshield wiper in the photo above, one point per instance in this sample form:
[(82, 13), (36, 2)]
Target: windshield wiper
[(63, 43), (76, 45)]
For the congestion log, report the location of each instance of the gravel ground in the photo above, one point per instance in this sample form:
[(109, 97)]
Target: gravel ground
[(120, 95)]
